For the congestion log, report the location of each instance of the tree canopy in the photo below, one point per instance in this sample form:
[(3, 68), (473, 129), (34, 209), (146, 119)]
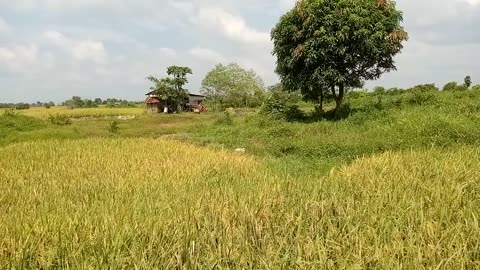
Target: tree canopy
[(233, 86), (332, 45), (172, 88)]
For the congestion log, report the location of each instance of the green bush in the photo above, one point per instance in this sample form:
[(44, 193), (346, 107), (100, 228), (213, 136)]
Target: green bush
[(12, 121), (424, 88), (113, 127), (282, 105), (225, 118), (22, 106), (476, 88), (453, 86), (419, 97), (379, 90), (59, 120)]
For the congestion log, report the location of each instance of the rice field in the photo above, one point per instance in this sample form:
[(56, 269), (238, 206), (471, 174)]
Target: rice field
[(162, 204), (41, 112)]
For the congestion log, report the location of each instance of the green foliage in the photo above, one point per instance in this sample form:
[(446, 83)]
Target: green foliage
[(171, 89), (467, 82), (451, 86), (113, 127), (179, 76), (282, 105), (225, 118), (476, 88), (424, 88), (49, 105), (233, 86), (379, 90), (77, 102), (356, 94), (59, 120), (12, 121), (22, 106), (333, 45)]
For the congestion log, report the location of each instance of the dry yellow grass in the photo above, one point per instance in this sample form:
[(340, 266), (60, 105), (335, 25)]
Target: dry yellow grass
[(42, 112), (144, 204)]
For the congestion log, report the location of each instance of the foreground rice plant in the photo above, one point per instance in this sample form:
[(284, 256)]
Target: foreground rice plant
[(162, 204), (44, 113)]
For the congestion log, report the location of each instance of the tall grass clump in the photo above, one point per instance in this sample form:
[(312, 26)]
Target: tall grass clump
[(13, 121)]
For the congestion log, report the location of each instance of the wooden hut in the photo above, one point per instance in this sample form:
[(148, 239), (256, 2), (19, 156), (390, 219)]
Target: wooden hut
[(157, 105), (153, 104)]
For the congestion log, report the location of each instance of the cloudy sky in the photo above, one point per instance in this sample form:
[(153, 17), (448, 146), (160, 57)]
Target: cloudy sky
[(53, 49)]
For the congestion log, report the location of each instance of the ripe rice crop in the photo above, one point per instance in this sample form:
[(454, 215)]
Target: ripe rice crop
[(44, 113), (144, 203)]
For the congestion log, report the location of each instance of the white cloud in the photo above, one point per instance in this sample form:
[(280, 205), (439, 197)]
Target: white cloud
[(5, 28), (19, 58), (80, 50), (168, 52), (472, 2), (90, 50), (57, 39), (233, 27), (207, 55)]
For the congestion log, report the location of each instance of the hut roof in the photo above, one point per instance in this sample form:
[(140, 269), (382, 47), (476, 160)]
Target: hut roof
[(152, 100), (191, 95)]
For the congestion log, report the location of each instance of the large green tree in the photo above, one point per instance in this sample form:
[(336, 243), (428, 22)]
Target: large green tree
[(333, 45), (233, 86), (172, 88)]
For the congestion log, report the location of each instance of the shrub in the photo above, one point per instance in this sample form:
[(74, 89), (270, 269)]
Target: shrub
[(419, 97), (282, 105), (356, 94), (22, 106), (11, 120), (9, 113), (394, 91), (113, 127), (424, 88), (476, 88), (379, 90), (59, 120), (225, 118), (451, 86)]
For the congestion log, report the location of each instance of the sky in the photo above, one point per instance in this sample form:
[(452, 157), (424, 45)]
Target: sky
[(51, 50)]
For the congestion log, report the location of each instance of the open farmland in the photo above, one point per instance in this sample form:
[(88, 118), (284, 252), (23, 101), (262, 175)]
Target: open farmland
[(83, 112), (169, 192), (120, 206)]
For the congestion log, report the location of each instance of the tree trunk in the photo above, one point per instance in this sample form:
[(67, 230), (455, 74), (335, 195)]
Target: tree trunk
[(338, 99), (322, 97)]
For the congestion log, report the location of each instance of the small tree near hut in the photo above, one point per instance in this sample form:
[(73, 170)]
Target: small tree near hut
[(333, 45), (171, 89)]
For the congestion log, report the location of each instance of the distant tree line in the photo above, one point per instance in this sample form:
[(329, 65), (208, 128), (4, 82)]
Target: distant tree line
[(26, 106), (78, 102), (449, 87), (73, 103)]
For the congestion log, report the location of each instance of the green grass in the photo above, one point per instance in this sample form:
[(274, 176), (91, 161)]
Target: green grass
[(447, 120)]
